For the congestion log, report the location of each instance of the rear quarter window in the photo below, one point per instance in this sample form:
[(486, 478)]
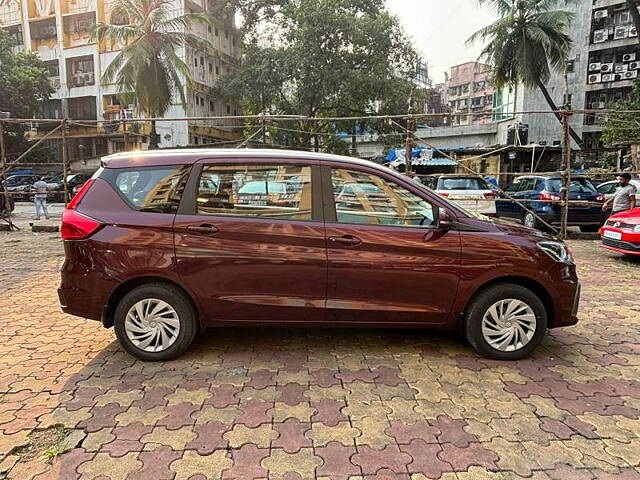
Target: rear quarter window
[(149, 189)]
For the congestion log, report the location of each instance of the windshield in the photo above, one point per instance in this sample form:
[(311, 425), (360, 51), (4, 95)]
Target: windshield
[(463, 183), (578, 185)]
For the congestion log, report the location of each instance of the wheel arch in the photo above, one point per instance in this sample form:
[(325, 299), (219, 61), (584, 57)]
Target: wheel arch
[(529, 283), (127, 286)]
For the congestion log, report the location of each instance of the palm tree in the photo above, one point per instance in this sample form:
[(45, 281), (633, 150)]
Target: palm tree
[(526, 44), (149, 67)]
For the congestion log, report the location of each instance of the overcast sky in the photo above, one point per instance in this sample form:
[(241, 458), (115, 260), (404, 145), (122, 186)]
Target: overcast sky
[(440, 28)]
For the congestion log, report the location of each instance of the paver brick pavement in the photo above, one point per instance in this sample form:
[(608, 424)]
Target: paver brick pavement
[(317, 404)]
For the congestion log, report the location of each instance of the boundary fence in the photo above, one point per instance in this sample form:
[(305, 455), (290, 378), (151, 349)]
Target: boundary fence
[(256, 130)]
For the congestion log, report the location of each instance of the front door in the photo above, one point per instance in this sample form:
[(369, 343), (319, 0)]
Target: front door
[(389, 262), (250, 243)]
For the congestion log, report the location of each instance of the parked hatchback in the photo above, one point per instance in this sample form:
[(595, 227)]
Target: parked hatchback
[(160, 245), (541, 195), (471, 192)]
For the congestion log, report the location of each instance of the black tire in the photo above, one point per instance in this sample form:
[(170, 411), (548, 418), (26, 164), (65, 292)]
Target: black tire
[(483, 300), (589, 228), (176, 299)]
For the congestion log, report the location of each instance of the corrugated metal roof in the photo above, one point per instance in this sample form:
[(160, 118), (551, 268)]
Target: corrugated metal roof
[(441, 162)]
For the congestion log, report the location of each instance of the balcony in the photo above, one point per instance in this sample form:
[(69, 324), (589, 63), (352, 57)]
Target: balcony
[(44, 36)]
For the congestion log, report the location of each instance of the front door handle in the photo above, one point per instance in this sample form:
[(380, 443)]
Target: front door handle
[(204, 229), (348, 240)]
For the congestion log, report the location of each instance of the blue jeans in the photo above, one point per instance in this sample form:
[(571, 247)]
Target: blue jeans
[(41, 207)]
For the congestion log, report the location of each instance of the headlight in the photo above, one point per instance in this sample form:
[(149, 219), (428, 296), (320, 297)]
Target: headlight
[(557, 250), (636, 229)]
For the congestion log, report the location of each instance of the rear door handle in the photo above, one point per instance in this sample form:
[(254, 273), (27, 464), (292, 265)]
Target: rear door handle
[(348, 240), (203, 229)]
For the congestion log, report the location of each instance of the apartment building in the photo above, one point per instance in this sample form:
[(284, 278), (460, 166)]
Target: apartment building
[(60, 32), (468, 90)]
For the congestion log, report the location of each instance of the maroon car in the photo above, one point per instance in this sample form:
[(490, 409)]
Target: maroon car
[(162, 244)]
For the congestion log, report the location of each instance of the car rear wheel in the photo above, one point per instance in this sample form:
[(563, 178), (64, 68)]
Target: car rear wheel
[(155, 322), (505, 322)]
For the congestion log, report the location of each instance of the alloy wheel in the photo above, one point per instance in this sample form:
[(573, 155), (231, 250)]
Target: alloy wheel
[(152, 325), (509, 325)]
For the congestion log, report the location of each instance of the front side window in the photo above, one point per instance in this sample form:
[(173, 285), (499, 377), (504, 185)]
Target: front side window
[(156, 189), (280, 192), (366, 199)]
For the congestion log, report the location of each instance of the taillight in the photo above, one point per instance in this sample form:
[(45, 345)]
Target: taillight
[(550, 197), (490, 195), (443, 194), (600, 198), (81, 193), (76, 226)]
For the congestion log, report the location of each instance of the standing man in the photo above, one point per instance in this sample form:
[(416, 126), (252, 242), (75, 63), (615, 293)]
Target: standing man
[(625, 196), (40, 198)]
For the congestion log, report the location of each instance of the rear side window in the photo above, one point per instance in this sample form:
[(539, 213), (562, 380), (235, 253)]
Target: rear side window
[(577, 185), (279, 192), (153, 189)]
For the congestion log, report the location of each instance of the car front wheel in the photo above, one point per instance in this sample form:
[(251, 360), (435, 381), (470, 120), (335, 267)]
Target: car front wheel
[(155, 322), (505, 322)]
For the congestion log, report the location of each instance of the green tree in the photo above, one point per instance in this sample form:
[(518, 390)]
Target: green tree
[(149, 67), (623, 128), (24, 86), (322, 58), (526, 44)]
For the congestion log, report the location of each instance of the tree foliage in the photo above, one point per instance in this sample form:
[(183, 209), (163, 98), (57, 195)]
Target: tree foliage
[(526, 44), (621, 127), (149, 66), (322, 58), (24, 86)]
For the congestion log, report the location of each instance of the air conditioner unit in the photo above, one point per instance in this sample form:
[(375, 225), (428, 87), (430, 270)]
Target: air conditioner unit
[(595, 78), (89, 78), (598, 105), (634, 66), (629, 57), (621, 67), (633, 31), (630, 74), (620, 33), (600, 36), (607, 67), (609, 77), (599, 14), (595, 67)]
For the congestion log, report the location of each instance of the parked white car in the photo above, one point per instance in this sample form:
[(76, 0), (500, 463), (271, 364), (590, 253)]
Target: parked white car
[(608, 189), (471, 192)]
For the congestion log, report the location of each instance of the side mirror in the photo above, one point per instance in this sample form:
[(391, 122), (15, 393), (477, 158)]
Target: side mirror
[(444, 219)]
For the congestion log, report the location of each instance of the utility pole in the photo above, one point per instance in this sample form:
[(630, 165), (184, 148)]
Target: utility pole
[(263, 127), (566, 172), (65, 160), (125, 134), (409, 145), (3, 177)]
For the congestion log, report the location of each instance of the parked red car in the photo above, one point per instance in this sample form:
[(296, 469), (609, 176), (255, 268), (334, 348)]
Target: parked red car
[(162, 244), (621, 232)]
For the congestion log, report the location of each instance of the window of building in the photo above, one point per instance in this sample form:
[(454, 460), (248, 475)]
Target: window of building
[(82, 108), (217, 70), (228, 110), (210, 67), (216, 31), (80, 71), (211, 106), (363, 198), (278, 192)]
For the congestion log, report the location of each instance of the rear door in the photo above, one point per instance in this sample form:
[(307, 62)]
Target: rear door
[(250, 241), (389, 263)]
